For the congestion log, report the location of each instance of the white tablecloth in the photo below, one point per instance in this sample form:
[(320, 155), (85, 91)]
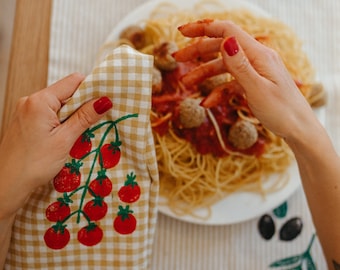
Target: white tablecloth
[(79, 28)]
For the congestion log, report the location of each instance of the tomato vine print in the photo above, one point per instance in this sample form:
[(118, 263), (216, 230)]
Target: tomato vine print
[(69, 182)]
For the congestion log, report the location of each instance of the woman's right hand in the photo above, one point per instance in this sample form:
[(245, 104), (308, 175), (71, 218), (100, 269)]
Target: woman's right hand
[(276, 101), (271, 92)]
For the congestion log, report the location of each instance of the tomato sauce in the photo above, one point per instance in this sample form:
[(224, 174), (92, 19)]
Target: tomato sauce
[(204, 137)]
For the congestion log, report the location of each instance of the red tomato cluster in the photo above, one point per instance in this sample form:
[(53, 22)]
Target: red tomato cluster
[(69, 182), (58, 236), (125, 222)]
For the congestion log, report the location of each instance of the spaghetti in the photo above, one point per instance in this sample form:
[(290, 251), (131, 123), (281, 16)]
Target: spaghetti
[(199, 166)]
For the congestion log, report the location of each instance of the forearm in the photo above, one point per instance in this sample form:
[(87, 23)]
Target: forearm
[(319, 167), (5, 238)]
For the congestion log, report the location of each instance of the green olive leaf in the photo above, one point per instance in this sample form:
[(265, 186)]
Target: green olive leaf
[(281, 211), (286, 261)]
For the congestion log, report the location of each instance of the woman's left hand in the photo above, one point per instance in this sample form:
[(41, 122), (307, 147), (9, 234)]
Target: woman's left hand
[(35, 145)]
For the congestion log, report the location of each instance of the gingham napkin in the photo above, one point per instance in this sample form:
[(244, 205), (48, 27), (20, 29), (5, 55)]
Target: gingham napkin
[(104, 216)]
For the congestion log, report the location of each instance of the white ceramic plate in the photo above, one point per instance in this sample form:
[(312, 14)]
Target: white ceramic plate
[(240, 206)]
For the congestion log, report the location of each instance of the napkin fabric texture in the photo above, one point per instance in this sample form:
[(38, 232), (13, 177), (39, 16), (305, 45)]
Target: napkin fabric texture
[(109, 216)]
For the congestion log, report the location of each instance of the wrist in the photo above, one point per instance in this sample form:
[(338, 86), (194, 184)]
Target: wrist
[(308, 139), (15, 191)]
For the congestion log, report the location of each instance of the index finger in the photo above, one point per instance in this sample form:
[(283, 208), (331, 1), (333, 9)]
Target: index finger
[(217, 29)]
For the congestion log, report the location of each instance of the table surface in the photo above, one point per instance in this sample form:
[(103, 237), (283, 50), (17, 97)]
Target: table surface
[(180, 245)]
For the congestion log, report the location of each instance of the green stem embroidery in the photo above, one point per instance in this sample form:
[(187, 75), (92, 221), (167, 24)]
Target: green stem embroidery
[(97, 156), (74, 213), (92, 167), (296, 262)]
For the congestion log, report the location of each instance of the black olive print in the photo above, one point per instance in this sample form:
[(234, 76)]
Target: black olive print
[(291, 229), (266, 227)]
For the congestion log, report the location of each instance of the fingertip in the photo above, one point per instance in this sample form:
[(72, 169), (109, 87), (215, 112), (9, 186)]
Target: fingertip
[(64, 88), (232, 52), (102, 105), (76, 76), (179, 28), (194, 29), (230, 46)]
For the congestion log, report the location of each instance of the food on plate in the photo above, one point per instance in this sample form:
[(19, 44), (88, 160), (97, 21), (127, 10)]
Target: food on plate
[(134, 35), (242, 134), (191, 113), (208, 142), (163, 56)]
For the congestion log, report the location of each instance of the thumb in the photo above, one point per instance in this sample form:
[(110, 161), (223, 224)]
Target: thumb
[(238, 64), (87, 115)]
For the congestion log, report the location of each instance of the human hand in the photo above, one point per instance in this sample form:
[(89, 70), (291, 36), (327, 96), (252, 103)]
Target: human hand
[(272, 94), (35, 145), (276, 101)]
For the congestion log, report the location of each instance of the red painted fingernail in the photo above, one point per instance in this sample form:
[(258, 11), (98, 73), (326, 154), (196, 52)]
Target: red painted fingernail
[(102, 105), (231, 46)]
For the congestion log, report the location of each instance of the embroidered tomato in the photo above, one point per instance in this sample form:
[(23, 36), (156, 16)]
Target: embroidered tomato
[(95, 209), (58, 211), (90, 235), (130, 192), (57, 236), (82, 146), (110, 154), (101, 186), (68, 178), (125, 222)]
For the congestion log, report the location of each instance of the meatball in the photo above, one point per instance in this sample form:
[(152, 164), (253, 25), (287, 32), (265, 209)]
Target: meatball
[(211, 83), (163, 56), (243, 134), (191, 113), (135, 34)]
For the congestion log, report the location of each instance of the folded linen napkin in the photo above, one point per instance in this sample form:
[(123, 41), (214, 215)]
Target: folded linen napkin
[(99, 212)]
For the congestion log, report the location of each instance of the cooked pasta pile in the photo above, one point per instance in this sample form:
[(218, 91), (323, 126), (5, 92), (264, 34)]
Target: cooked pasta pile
[(190, 180)]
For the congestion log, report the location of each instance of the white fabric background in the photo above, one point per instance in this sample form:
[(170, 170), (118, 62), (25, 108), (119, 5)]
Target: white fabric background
[(79, 28)]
